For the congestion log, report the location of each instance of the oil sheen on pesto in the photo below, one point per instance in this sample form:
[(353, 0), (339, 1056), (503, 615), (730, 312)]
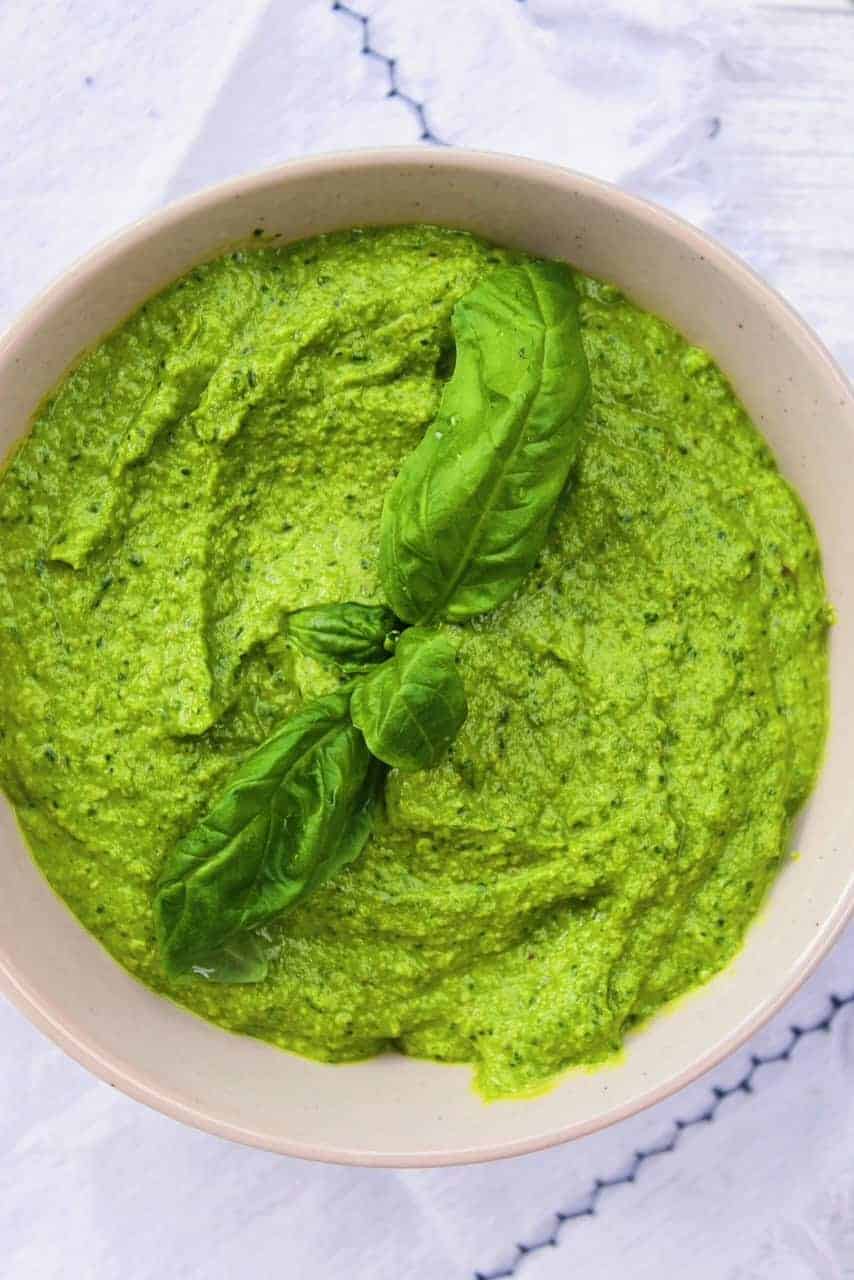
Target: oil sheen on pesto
[(645, 713)]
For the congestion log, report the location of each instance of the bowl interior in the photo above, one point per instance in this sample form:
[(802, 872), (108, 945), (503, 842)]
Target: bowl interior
[(396, 1110)]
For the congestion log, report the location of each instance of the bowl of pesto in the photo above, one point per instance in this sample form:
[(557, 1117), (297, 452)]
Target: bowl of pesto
[(419, 580)]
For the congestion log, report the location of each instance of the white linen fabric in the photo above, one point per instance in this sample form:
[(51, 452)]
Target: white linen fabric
[(740, 117)]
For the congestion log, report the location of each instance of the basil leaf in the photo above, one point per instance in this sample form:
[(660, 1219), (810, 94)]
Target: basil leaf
[(468, 514), (411, 708), (242, 959), (352, 636), (298, 809)]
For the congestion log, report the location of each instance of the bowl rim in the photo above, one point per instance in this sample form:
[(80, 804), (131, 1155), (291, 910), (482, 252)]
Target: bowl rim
[(46, 1014)]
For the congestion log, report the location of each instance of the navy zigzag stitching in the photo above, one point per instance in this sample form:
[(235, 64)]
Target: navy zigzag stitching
[(416, 107), (589, 1206)]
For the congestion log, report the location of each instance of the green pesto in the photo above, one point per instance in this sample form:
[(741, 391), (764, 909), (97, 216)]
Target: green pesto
[(646, 713)]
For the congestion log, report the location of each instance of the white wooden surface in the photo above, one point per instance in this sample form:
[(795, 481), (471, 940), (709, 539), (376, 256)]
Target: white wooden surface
[(739, 116)]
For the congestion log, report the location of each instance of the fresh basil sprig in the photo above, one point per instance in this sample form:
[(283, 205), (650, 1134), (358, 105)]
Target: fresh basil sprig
[(469, 512), (351, 636), (298, 809), (411, 708), (463, 523)]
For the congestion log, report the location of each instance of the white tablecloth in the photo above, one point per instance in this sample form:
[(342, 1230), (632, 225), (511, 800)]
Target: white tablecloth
[(740, 117)]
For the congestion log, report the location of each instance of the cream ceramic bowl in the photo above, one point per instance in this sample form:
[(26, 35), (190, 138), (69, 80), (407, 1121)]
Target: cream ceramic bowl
[(395, 1110)]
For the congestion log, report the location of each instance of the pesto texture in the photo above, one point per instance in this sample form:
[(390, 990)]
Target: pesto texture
[(646, 711)]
